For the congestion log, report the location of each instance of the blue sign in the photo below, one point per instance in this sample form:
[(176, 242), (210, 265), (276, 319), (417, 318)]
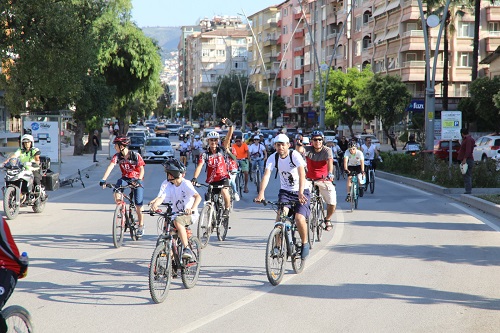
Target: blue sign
[(311, 115), (35, 126), (416, 105)]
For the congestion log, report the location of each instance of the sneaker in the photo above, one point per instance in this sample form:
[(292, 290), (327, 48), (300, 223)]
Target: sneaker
[(187, 253), (226, 212), (236, 197), (304, 252), (348, 198), (140, 231)]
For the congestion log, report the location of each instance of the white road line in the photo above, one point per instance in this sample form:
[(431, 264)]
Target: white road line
[(339, 230), (406, 186), (480, 218)]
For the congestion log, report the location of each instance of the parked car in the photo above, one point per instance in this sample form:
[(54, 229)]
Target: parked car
[(330, 135), (486, 147), (173, 129), (442, 149), (157, 149), (161, 130), (137, 143)]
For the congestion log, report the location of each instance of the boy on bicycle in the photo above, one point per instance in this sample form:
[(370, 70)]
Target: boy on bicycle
[(291, 168), (354, 160), (132, 168), (185, 198), (258, 154)]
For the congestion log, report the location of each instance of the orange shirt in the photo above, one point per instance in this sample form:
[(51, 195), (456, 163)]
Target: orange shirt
[(241, 152)]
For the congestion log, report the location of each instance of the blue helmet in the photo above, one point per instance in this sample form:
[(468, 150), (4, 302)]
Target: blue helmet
[(317, 133)]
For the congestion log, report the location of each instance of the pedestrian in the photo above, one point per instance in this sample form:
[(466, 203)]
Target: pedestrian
[(465, 158), (116, 129), (95, 143)]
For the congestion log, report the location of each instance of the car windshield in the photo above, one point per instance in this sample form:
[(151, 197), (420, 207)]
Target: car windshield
[(137, 140), (161, 128), (173, 126), (158, 142)]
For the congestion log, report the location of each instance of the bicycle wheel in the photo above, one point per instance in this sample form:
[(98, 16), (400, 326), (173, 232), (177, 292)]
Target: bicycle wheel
[(191, 268), (222, 228), (311, 225), (118, 226), (133, 224), (319, 226), (205, 225), (353, 193), (18, 319), (337, 171), (160, 272), (356, 196), (257, 179), (275, 256), (297, 263), (372, 181)]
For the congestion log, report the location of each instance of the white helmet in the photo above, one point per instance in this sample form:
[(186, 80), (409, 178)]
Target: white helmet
[(213, 135), (28, 138)]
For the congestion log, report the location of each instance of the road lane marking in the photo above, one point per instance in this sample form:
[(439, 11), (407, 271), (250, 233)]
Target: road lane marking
[(480, 218), (339, 230), (406, 186)]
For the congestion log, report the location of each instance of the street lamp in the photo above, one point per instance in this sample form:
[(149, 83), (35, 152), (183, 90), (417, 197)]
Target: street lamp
[(190, 110), (430, 98), (214, 101)]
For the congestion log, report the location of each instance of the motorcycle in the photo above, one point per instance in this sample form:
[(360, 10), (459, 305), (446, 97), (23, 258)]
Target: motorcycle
[(19, 190), (413, 149)]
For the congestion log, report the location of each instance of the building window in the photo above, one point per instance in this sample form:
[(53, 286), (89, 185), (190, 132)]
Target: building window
[(494, 26), (411, 57), (299, 62), (465, 29), (298, 81), (285, 30), (221, 53), (205, 52), (357, 48), (359, 23), (461, 90), (465, 59)]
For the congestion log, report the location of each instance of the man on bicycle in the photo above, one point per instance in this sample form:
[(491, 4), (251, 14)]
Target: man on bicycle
[(197, 148), (184, 148), (11, 268), (177, 190), (243, 157), (258, 155), (370, 152), (290, 167), (217, 169), (353, 161), (319, 160), (232, 167), (132, 168)]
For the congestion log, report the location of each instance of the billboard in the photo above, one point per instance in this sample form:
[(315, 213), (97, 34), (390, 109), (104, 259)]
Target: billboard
[(45, 133)]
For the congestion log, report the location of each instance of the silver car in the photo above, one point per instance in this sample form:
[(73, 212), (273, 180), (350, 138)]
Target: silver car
[(158, 149)]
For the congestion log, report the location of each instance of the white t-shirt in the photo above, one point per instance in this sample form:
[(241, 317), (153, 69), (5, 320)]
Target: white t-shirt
[(354, 159), (369, 151), (335, 151), (184, 146), (289, 174), (181, 196), (197, 144), (256, 151)]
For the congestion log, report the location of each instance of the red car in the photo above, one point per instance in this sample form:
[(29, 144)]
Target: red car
[(442, 149)]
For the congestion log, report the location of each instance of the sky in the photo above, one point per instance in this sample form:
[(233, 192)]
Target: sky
[(176, 13)]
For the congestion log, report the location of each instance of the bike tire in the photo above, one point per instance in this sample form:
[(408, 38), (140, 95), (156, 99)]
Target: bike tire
[(18, 319), (319, 226), (275, 260), (356, 197), (311, 225), (297, 263), (160, 272), (132, 219), (191, 270), (10, 207), (205, 225), (118, 226), (372, 182), (353, 193), (337, 172), (222, 228), (257, 180)]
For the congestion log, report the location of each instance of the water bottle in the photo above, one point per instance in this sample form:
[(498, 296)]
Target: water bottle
[(24, 259)]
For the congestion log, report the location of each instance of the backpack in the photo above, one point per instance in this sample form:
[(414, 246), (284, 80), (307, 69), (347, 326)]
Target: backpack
[(276, 156)]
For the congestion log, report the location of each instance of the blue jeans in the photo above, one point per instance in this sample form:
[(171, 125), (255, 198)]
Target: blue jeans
[(138, 191), (260, 164)]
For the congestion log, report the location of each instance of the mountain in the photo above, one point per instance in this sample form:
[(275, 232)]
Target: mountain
[(167, 38)]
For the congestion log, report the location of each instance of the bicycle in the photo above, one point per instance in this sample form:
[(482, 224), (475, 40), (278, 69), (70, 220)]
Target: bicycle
[(284, 242), (316, 219), (166, 260), (256, 175), (370, 180), (354, 192), (70, 181), (211, 216), (240, 180), (18, 319), (125, 215)]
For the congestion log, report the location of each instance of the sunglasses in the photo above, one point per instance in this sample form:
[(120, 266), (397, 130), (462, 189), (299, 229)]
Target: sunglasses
[(213, 140), (298, 140), (237, 140), (319, 139)]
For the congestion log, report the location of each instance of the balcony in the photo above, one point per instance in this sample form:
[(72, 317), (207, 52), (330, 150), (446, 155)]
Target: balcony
[(492, 13), (279, 57), (461, 74), (279, 40), (270, 74), (492, 42), (413, 40), (298, 90), (297, 16), (271, 23), (270, 41), (299, 33), (298, 51)]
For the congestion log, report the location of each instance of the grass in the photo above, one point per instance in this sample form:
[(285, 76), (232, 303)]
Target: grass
[(495, 198)]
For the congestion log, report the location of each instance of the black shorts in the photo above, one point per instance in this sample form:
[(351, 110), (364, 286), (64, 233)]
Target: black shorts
[(356, 168), (183, 153), (224, 182)]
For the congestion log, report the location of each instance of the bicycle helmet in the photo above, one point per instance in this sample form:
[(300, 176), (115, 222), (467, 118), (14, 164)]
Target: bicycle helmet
[(28, 138), (122, 140), (317, 133), (352, 144), (174, 167), (335, 141), (213, 135)]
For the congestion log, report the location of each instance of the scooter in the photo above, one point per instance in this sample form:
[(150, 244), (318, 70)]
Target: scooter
[(19, 190), (413, 149)]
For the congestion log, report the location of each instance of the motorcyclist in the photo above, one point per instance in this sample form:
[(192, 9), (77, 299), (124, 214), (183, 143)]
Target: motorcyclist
[(411, 145), (29, 156)]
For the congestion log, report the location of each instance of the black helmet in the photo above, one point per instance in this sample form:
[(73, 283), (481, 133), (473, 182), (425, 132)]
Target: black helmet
[(317, 133), (174, 167), (352, 144)]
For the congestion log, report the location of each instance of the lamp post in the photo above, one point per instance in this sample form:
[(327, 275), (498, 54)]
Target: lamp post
[(190, 98), (214, 101), (430, 98)]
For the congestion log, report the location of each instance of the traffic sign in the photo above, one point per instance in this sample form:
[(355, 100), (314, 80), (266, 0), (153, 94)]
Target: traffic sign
[(451, 123)]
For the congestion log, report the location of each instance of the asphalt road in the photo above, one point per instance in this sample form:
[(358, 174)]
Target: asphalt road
[(405, 261)]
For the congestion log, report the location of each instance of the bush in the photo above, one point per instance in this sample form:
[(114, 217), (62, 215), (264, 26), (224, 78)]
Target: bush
[(426, 168)]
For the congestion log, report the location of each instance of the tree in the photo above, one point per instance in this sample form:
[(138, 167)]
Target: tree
[(385, 97), (483, 91)]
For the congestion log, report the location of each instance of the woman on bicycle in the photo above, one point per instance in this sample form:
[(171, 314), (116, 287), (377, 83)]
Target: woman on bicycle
[(184, 148), (354, 160), (10, 268), (177, 190), (197, 148), (132, 168)]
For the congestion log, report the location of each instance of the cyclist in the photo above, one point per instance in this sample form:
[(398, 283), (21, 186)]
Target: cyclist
[(370, 152), (353, 161), (269, 144), (232, 167), (258, 155), (299, 145), (29, 156), (197, 148), (179, 191), (184, 147), (217, 169), (243, 157), (11, 268), (132, 168), (319, 160), (290, 167)]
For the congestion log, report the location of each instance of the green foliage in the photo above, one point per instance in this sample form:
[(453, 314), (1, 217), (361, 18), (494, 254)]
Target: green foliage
[(425, 168), (482, 92)]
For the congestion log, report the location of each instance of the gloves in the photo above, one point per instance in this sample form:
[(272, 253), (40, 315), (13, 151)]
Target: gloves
[(194, 180), (102, 182), (229, 123), (330, 176)]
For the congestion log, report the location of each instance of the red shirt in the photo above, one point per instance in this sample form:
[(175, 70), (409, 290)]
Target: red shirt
[(466, 148), (317, 162), (6, 261), (232, 165), (216, 166), (131, 167)]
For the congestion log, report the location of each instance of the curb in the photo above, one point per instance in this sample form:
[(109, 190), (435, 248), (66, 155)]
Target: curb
[(471, 200)]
